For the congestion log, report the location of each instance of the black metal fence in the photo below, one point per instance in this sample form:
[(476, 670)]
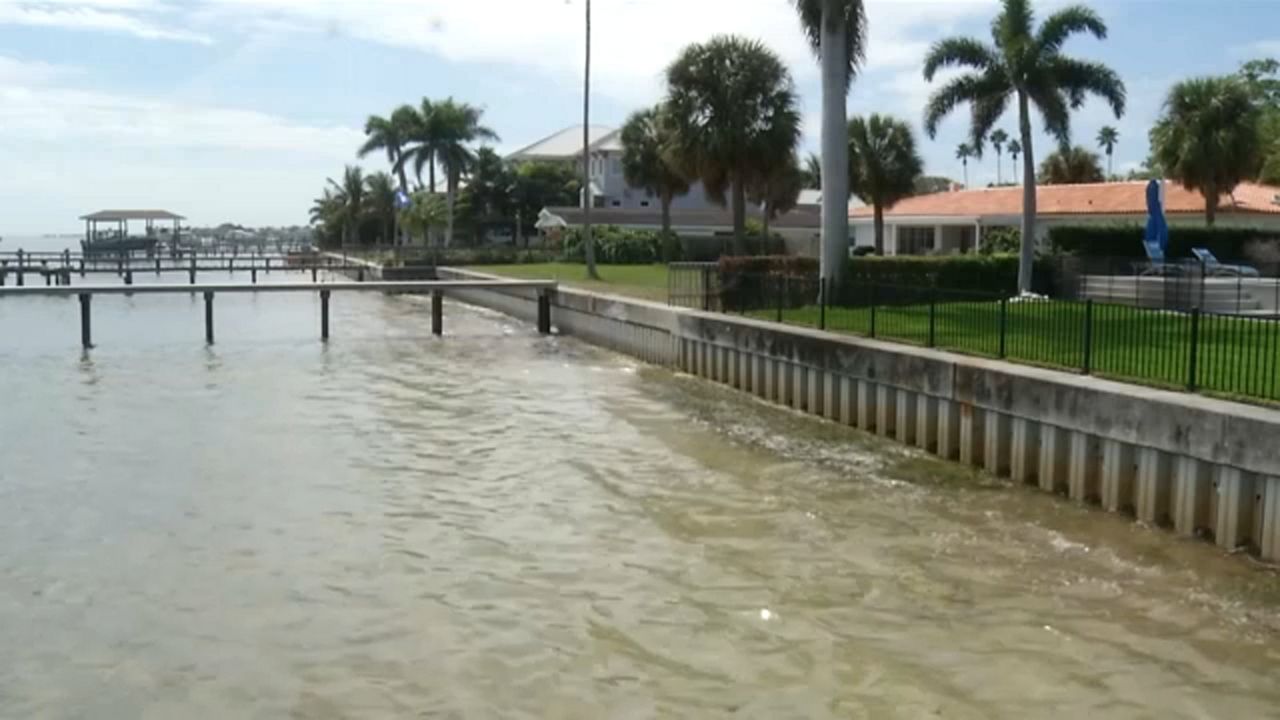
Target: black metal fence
[(1195, 350)]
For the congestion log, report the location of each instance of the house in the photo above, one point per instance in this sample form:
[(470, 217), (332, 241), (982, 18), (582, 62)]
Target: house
[(954, 222)]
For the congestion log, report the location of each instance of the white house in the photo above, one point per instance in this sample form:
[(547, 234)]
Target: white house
[(953, 222)]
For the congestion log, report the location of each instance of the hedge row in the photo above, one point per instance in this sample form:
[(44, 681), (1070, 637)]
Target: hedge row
[(1126, 241)]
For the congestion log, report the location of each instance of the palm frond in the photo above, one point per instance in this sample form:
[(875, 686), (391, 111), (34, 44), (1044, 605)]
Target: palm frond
[(1079, 78), (852, 15), (1067, 22), (970, 88), (958, 52)]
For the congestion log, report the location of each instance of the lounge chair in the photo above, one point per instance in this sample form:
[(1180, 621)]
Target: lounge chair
[(1156, 263), (1214, 268)]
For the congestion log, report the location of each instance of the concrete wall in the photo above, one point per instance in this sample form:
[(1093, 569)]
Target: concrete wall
[(1202, 467)]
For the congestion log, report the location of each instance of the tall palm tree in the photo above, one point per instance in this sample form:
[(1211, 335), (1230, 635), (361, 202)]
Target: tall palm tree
[(1207, 138), (733, 105), (963, 153), (647, 138), (380, 202), (1071, 166), (423, 138), (837, 32), (350, 196), (1107, 139), (883, 165), (1025, 65), (1015, 149), (391, 135), (326, 215), (998, 139), (458, 126)]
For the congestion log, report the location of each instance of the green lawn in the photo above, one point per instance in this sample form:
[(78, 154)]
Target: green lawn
[(1235, 356), (648, 282)]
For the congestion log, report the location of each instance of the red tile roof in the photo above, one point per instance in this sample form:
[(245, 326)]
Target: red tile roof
[(1118, 198)]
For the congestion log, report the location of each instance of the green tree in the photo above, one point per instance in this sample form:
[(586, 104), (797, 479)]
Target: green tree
[(488, 196), (1262, 78), (1208, 138), (963, 153), (733, 105), (837, 32), (537, 185), (350, 197), (426, 210), (647, 140), (883, 165), (390, 135), (1015, 149), (777, 192), (380, 203), (326, 218), (1107, 139), (998, 139), (458, 127), (929, 184), (1071, 166), (1026, 66), (423, 139), (812, 172)]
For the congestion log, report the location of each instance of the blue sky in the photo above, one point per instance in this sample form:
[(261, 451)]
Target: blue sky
[(236, 110)]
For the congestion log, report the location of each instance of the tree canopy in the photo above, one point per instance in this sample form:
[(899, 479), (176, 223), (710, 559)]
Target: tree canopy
[(1071, 166)]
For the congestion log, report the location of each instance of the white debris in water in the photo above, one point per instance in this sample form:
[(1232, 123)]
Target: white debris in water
[(765, 614), (1061, 544)]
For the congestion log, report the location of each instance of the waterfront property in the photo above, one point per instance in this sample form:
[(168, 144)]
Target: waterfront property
[(955, 222), (118, 240)]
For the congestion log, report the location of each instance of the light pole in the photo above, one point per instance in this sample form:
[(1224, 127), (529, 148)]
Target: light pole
[(588, 245)]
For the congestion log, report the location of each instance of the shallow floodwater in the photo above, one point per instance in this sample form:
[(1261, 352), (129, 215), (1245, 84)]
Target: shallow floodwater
[(498, 524)]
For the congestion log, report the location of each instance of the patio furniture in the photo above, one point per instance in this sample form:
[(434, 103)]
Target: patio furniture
[(1213, 268)]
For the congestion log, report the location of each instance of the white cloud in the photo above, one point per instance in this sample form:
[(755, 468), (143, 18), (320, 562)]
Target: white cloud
[(1263, 48), (130, 17)]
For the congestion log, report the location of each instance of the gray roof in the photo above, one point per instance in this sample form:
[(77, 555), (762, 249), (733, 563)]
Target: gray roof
[(563, 145), (117, 215)]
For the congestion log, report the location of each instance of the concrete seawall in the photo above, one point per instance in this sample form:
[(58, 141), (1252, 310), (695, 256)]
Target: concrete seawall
[(1200, 466)]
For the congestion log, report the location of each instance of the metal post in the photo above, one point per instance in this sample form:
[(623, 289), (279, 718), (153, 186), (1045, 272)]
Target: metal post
[(192, 271), (1194, 359), (706, 289), (254, 275), (313, 273), (779, 288), (86, 338), (1004, 325), (324, 314), (822, 303), (1088, 337), (81, 267), (437, 312), (544, 312), (128, 277), (157, 265), (21, 278), (872, 291), (933, 318), (208, 317)]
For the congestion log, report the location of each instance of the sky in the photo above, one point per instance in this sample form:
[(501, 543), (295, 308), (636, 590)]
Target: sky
[(237, 110)]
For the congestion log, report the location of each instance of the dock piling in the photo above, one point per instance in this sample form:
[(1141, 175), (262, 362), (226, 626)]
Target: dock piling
[(544, 312), (437, 312), (324, 314), (208, 318), (86, 339)]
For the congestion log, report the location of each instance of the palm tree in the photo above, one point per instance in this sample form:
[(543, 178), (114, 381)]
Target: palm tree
[(390, 135), (588, 242), (349, 195), (1026, 65), (424, 135), (883, 165), (425, 211), (812, 172), (963, 153), (458, 126), (646, 139), (837, 32), (1208, 139), (733, 106), (998, 139), (326, 214), (1107, 139), (380, 202), (777, 192), (1015, 149), (1071, 166)]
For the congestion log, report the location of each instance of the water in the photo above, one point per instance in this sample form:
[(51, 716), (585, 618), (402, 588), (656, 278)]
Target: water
[(498, 524)]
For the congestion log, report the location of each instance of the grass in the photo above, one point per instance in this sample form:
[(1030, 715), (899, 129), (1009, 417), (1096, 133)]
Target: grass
[(647, 282), (1235, 356)]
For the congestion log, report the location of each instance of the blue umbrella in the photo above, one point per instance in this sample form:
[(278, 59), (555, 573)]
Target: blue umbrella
[(1157, 235)]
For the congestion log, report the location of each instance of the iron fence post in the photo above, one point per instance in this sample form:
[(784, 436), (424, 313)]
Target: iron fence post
[(1088, 337), (778, 288), (933, 317), (1004, 325), (706, 289), (872, 292), (1194, 358), (822, 303)]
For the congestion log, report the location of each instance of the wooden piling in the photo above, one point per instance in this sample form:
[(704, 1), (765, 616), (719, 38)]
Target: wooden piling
[(86, 339), (324, 314), (544, 312), (208, 318), (437, 312)]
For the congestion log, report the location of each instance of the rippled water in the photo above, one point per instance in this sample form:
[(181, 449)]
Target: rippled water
[(498, 524)]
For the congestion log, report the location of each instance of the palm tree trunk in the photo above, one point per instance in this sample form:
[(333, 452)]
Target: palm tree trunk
[(1210, 206), (966, 174), (1109, 171), (835, 147), (1027, 256), (588, 242), (431, 173), (665, 200), (399, 166), (879, 224), (739, 215), (999, 181)]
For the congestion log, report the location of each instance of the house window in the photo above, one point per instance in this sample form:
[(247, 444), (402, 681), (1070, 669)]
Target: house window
[(915, 240), (616, 165), (644, 203), (616, 203), (598, 201)]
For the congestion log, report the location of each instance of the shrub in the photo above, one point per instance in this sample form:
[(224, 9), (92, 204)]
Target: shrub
[(745, 281), (615, 245), (991, 273), (1125, 241), (479, 256)]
